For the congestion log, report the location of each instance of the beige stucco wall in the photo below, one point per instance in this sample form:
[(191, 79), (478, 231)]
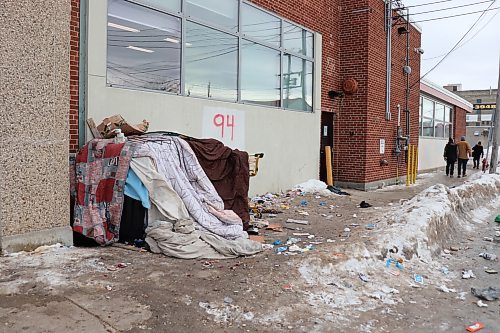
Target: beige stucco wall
[(430, 153), (34, 105), (290, 140)]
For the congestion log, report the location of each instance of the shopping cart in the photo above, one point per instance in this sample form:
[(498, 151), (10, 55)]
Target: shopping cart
[(253, 163)]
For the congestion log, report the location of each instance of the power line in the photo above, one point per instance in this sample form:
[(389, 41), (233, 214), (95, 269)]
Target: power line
[(471, 38), (449, 8), (426, 4), (445, 17), (456, 45)]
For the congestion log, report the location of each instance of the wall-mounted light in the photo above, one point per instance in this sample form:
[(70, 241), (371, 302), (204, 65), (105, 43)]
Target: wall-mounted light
[(334, 94), (402, 30), (419, 50)]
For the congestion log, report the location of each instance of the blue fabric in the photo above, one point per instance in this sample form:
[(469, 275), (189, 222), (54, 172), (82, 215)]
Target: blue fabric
[(135, 189)]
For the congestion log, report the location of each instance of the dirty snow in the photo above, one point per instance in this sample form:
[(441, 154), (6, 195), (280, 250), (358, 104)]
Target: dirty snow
[(313, 186), (418, 230)]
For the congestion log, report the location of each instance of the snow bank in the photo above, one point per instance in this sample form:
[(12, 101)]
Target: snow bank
[(431, 220)]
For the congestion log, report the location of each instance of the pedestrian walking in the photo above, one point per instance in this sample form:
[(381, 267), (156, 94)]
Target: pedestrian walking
[(464, 153), (477, 153), (450, 156)]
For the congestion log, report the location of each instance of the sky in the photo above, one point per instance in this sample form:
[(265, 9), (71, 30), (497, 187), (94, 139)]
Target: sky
[(475, 64)]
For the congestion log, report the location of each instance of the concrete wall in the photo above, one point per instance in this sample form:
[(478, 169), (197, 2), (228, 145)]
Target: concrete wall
[(430, 153), (289, 139), (34, 104)]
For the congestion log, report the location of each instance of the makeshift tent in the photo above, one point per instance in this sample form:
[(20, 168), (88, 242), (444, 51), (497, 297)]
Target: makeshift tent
[(167, 195)]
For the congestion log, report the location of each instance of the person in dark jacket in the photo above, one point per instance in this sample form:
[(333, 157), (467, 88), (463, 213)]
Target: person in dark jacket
[(450, 156), (477, 153)]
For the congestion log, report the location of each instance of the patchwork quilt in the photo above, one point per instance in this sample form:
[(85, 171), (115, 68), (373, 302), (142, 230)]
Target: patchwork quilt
[(101, 170)]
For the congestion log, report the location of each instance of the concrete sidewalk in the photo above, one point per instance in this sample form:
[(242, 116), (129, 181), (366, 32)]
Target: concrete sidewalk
[(58, 289)]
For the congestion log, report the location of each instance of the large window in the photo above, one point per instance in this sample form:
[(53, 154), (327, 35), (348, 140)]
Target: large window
[(227, 50), (143, 48), (435, 118), (211, 63), (260, 79)]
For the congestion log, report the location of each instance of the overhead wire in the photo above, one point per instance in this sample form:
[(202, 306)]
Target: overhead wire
[(456, 44), (429, 3), (471, 38), (450, 8), (457, 15)]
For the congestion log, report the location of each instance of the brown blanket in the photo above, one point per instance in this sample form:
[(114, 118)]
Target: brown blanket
[(229, 172)]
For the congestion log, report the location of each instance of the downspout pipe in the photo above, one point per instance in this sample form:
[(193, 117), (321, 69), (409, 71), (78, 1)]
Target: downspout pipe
[(388, 60), (407, 99), (82, 73)]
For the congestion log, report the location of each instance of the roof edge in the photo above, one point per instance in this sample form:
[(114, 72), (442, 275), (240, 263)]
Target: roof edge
[(439, 92)]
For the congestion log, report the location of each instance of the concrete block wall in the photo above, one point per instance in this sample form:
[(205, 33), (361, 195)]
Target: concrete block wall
[(34, 104)]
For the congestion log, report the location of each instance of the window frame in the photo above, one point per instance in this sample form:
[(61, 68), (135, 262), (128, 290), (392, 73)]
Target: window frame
[(184, 19), (443, 121)]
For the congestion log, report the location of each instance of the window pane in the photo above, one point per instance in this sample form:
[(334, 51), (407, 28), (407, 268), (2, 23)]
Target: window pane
[(260, 74), (439, 112), (439, 129), (172, 5), (297, 83), (211, 63), (471, 118), (447, 114), (486, 117), (447, 131), (298, 40), (259, 24), (428, 127), (143, 48), (223, 13), (428, 108)]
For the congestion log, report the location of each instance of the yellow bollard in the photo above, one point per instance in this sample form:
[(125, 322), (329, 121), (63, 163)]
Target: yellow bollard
[(415, 162), (408, 166), (411, 164), (329, 173)]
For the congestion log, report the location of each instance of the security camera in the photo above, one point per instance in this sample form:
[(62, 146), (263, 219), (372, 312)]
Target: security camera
[(419, 50)]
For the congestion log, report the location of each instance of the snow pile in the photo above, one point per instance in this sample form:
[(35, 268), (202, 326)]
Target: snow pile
[(430, 220), (50, 266), (312, 186), (226, 313)]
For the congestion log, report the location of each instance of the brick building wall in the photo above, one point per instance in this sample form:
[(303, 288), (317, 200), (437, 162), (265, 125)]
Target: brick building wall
[(379, 128), (351, 124), (73, 82), (361, 121), (459, 123)]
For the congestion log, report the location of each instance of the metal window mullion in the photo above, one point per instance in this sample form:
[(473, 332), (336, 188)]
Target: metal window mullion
[(183, 52), (433, 119), (238, 70), (282, 55)]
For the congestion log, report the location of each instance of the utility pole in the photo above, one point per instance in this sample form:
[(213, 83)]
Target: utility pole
[(496, 128)]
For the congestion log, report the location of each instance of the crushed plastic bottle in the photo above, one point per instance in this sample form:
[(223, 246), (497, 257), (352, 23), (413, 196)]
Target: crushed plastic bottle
[(488, 256)]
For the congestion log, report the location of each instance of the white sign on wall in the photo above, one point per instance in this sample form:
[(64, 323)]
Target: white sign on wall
[(382, 146), (225, 125)]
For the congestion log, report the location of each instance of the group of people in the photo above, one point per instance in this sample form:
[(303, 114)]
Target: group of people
[(461, 152)]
